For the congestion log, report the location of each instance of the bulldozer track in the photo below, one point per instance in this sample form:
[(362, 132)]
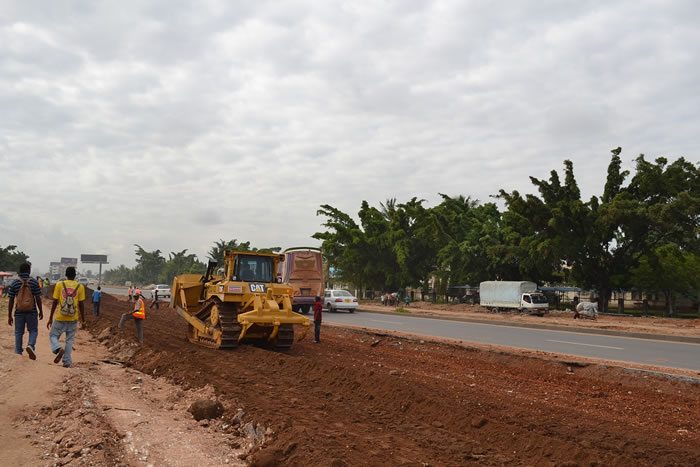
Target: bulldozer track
[(228, 324), (230, 327), (285, 337)]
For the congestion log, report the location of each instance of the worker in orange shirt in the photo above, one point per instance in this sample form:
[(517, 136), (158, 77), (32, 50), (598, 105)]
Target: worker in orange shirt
[(138, 314)]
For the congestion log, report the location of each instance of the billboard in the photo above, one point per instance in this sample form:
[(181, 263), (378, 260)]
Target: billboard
[(69, 261), (93, 258), (54, 268)]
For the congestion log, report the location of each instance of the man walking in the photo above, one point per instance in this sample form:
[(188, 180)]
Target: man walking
[(318, 311), (25, 300), (130, 291), (155, 301), (70, 295), (138, 314), (96, 298)]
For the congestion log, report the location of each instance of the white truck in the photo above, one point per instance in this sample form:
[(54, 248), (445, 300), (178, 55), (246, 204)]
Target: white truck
[(520, 295)]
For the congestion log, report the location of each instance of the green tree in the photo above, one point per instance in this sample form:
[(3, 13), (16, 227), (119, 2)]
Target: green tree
[(391, 248), (539, 232), (11, 258), (410, 236), (467, 236), (605, 237), (149, 265), (669, 270), (181, 263), (344, 246), (216, 252), (119, 275)]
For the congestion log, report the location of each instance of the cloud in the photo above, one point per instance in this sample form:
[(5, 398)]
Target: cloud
[(173, 124)]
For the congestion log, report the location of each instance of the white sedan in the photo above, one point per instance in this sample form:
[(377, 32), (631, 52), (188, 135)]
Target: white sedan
[(336, 300)]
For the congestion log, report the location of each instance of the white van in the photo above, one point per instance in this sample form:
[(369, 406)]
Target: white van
[(520, 295)]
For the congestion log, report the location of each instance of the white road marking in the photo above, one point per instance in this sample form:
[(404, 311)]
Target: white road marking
[(587, 345)]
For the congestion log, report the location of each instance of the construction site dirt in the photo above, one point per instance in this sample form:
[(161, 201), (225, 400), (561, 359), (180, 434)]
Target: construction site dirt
[(361, 398)]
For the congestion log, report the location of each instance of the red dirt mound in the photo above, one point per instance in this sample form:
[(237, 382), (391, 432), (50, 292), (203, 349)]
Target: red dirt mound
[(407, 402)]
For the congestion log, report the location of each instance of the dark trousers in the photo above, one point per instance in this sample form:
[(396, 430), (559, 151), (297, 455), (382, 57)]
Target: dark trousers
[(317, 331), (96, 308), (155, 304), (137, 322)]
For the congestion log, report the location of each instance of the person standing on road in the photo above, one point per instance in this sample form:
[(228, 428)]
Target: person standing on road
[(96, 298), (318, 311), (130, 291), (25, 300), (155, 300), (138, 314), (70, 295), (47, 287)]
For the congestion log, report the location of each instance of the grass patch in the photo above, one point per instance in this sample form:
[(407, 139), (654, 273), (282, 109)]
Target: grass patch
[(402, 310)]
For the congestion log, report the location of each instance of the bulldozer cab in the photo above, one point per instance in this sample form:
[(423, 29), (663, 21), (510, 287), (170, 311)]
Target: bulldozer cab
[(253, 268)]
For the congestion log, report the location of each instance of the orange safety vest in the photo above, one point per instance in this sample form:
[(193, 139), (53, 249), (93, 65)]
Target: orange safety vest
[(140, 309)]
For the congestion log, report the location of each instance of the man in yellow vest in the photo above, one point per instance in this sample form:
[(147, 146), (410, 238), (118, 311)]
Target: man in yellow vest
[(138, 315)]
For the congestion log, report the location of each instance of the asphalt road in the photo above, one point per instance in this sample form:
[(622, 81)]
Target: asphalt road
[(624, 349)]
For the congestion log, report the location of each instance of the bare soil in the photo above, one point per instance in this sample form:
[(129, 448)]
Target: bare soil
[(635, 324), (360, 398), (102, 413)]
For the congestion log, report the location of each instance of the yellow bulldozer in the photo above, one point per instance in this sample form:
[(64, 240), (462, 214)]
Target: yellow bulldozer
[(243, 303)]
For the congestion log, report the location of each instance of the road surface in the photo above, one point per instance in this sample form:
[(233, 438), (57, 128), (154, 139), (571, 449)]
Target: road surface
[(625, 349)]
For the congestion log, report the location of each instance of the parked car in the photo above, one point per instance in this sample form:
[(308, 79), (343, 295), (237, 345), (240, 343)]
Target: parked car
[(163, 291), (336, 300), (84, 281)]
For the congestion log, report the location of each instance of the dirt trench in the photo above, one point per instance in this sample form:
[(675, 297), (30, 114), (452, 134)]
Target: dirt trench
[(359, 398)]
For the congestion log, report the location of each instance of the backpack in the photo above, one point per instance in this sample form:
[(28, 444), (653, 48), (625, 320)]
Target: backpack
[(25, 299), (70, 304)]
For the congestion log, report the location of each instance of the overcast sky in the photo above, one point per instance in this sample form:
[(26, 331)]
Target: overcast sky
[(172, 124)]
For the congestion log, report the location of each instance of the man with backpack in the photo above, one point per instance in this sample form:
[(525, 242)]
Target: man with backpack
[(68, 296), (25, 300)]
